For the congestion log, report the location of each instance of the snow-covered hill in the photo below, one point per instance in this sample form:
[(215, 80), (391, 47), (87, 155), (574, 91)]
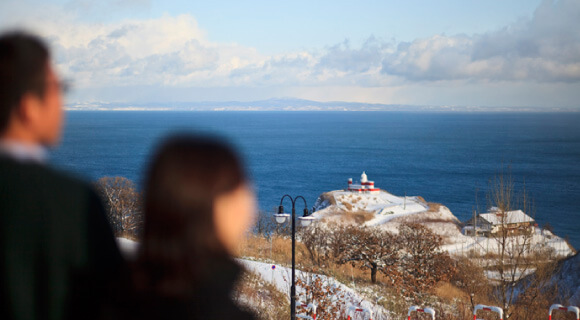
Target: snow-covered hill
[(280, 277), (388, 211), (383, 205)]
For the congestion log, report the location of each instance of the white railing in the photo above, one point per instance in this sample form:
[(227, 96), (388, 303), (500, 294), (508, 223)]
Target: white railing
[(487, 308), (573, 309), (424, 310), (352, 310)]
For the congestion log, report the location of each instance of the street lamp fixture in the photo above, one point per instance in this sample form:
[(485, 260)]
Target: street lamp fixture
[(281, 217), (305, 221)]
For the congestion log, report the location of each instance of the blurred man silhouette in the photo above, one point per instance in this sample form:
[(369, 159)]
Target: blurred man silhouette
[(57, 252)]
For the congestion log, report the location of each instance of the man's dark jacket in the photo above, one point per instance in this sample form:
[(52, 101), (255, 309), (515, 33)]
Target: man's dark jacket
[(57, 253)]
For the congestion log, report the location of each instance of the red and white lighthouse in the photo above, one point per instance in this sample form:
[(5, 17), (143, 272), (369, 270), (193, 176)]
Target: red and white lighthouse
[(365, 185)]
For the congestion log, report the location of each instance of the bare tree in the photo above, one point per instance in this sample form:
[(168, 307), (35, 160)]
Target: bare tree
[(123, 205), (471, 278), (537, 291), (422, 263), (326, 295), (511, 262), (516, 255), (264, 225), (318, 240), (368, 248)]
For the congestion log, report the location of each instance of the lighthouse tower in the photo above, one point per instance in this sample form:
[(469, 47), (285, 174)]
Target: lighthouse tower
[(365, 186)]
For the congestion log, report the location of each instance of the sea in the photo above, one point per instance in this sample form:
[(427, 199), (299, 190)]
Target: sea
[(447, 158)]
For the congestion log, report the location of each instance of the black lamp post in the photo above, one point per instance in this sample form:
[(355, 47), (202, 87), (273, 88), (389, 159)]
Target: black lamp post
[(305, 220)]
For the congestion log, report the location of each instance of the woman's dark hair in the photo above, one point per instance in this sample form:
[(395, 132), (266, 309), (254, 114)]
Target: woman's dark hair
[(23, 66), (185, 177)]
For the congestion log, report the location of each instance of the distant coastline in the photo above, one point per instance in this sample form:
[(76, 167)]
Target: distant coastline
[(302, 105)]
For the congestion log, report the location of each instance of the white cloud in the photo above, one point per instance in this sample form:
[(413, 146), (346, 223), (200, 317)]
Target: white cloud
[(545, 48), (164, 51), (342, 57), (174, 51)]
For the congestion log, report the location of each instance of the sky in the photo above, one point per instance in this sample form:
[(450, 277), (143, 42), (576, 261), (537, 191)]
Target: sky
[(518, 53)]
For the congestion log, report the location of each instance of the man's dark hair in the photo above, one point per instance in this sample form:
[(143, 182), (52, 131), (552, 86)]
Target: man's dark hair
[(23, 66)]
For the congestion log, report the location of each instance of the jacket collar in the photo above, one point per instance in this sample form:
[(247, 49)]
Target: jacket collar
[(23, 152)]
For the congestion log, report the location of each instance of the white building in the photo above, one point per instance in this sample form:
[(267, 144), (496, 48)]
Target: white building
[(497, 220), (365, 185)]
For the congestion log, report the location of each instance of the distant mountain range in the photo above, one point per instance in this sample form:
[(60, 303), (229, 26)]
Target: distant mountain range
[(289, 104)]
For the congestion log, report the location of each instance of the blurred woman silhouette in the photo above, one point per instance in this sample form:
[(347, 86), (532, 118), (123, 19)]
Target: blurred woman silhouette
[(198, 206)]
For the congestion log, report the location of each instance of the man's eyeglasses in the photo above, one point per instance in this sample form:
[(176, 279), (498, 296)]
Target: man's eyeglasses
[(63, 85)]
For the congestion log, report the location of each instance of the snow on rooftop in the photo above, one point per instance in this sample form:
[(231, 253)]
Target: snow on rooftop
[(508, 217)]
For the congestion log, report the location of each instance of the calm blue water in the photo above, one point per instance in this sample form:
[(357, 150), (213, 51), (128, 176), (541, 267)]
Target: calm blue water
[(447, 158)]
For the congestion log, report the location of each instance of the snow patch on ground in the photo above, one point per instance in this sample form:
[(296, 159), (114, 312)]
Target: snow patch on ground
[(281, 277), (538, 241)]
